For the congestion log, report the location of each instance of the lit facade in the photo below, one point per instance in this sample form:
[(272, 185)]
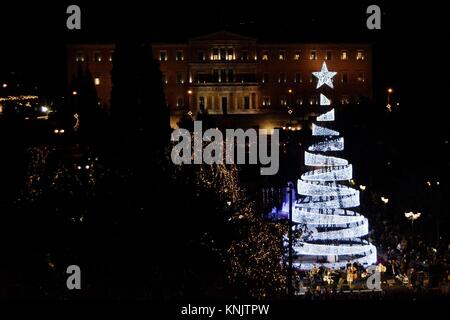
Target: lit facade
[(230, 74)]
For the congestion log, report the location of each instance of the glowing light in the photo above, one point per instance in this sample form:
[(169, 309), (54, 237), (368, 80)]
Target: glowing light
[(74, 93), (322, 160), (324, 76), (328, 116), (362, 187), (328, 145), (319, 188), (189, 92), (324, 101), (384, 200), (390, 90), (5, 85), (337, 173), (44, 109), (322, 131), (412, 216)]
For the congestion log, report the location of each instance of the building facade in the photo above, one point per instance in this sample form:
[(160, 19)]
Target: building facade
[(229, 74)]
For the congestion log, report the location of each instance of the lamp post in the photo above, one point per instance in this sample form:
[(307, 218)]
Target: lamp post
[(388, 106), (412, 217), (290, 286)]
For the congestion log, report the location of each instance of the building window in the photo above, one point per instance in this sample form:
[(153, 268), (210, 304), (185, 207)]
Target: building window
[(297, 55), (298, 78), (180, 78), (283, 101), (180, 102), (299, 101), (344, 55), (246, 102), (266, 101), (345, 99), (79, 56), (311, 78), (265, 78), (265, 55), (244, 55), (360, 77), (360, 55), (344, 77), (201, 56), (282, 55), (313, 100), (231, 55), (179, 55), (164, 79), (97, 81), (313, 55), (215, 54), (201, 103), (223, 54), (163, 55), (97, 57), (282, 78), (328, 55), (111, 53)]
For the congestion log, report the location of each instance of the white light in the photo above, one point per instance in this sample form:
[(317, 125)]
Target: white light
[(324, 101), (337, 173), (322, 161), (318, 188), (324, 76), (44, 109), (385, 200), (362, 187), (322, 131), (328, 145), (79, 167), (87, 167)]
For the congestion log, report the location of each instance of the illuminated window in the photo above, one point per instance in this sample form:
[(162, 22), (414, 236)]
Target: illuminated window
[(231, 54), (282, 78), (360, 55), (344, 77), (265, 55), (313, 100), (164, 79), (215, 54), (79, 56), (265, 78), (266, 101), (97, 81), (163, 55), (298, 78), (244, 55), (180, 102), (297, 55), (246, 102), (180, 78), (299, 101), (283, 101), (179, 55), (97, 56), (111, 53), (201, 56), (328, 55), (282, 55), (344, 55), (360, 77), (313, 55)]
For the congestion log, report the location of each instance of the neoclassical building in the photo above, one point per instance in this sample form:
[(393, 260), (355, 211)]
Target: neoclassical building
[(230, 74)]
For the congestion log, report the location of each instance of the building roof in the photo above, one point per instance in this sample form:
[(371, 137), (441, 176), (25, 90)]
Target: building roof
[(222, 35)]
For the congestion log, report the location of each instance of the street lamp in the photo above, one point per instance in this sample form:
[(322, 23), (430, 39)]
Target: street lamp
[(412, 217), (388, 106)]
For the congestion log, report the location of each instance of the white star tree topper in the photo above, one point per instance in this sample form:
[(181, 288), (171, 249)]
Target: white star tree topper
[(324, 76)]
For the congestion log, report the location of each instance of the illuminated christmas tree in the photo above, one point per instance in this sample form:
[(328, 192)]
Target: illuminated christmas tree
[(332, 233)]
